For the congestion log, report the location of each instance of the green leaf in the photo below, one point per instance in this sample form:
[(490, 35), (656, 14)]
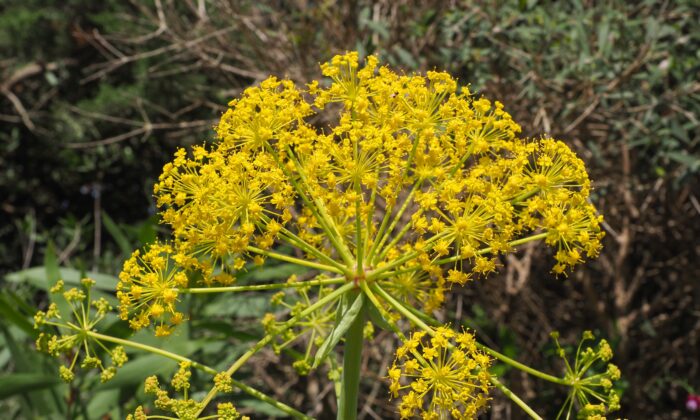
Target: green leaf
[(262, 408), (378, 27), (51, 266), (692, 162), (405, 57), (226, 328), (240, 306), (20, 303), (377, 318), (52, 276), (43, 401), (341, 327), (117, 234), (603, 37), (37, 277), (102, 403), (19, 383), (275, 272), (146, 231), (5, 355), (9, 313)]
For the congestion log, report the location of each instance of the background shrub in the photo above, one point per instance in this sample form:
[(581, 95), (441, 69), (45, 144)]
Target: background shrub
[(96, 96)]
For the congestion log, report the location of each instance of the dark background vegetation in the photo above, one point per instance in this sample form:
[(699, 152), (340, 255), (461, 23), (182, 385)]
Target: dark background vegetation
[(96, 96)]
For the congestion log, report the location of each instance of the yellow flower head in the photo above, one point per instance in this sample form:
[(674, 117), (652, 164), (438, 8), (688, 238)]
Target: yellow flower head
[(219, 203), (148, 289), (443, 377)]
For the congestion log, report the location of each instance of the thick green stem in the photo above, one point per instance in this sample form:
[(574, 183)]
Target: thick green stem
[(352, 359)]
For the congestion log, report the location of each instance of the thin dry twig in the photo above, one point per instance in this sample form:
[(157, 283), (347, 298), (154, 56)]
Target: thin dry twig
[(146, 129)]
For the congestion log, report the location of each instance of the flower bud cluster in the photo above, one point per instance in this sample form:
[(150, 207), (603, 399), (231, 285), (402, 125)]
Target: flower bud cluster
[(69, 334), (591, 379)]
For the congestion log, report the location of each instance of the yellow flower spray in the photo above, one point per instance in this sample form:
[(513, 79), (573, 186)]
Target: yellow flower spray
[(416, 186)]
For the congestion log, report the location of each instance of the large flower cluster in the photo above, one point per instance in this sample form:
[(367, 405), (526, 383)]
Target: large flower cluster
[(416, 185), (417, 181)]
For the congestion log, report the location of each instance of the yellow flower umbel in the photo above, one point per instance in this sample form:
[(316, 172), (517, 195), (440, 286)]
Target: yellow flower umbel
[(443, 377), (223, 205), (72, 337), (148, 287)]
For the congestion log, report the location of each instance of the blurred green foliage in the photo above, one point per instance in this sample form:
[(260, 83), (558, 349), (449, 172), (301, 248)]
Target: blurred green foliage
[(617, 72), (96, 96)]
